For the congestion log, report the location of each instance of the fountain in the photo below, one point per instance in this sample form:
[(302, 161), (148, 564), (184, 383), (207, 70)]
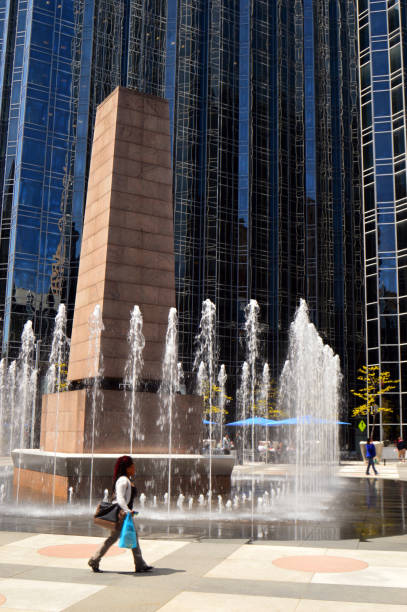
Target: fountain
[(26, 383), (169, 387), (310, 393), (95, 357), (3, 406), (133, 370), (252, 349), (57, 360), (11, 396), (222, 378), (205, 360), (85, 428)]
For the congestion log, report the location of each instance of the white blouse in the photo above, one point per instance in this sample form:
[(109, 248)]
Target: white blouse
[(123, 493)]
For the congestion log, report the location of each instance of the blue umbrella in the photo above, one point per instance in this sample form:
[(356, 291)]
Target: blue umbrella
[(205, 422), (305, 419), (253, 421)]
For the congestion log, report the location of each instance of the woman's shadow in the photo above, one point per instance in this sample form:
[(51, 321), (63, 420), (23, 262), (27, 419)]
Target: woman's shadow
[(157, 571)]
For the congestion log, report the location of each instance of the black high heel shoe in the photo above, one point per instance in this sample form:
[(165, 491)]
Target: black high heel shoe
[(94, 565)]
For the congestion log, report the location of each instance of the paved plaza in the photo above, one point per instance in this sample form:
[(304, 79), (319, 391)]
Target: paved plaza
[(48, 572)]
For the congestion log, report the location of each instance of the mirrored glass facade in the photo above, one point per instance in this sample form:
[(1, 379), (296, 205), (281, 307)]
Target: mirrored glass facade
[(383, 65), (267, 170), (58, 61), (265, 142)]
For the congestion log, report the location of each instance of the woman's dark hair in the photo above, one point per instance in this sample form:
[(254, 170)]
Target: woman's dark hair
[(120, 468)]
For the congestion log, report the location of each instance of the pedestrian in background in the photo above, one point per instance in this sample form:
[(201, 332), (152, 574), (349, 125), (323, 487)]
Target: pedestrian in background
[(370, 456)]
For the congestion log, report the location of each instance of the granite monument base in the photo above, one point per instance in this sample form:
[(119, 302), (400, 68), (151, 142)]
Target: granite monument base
[(189, 475)]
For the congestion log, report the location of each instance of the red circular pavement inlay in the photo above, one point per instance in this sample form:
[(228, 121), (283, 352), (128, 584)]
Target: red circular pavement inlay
[(77, 551), (320, 563), (2, 599)]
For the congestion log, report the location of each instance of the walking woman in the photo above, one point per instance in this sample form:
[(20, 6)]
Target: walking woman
[(125, 492)]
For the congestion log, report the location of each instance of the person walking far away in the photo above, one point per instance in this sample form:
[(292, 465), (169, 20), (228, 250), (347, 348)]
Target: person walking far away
[(370, 455), (125, 492), (401, 449)]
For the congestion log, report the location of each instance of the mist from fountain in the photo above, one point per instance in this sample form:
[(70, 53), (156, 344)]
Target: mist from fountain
[(132, 372), (26, 376), (264, 399), (207, 354), (11, 398), (243, 399), (252, 330), (310, 391), (3, 405), (57, 360), (95, 358), (222, 378), (170, 384)]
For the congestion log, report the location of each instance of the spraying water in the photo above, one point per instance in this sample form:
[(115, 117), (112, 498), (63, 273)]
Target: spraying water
[(222, 378), (95, 358), (264, 397), (310, 391), (252, 351), (3, 405), (11, 388), (243, 396), (207, 354), (169, 385), (133, 369), (57, 361), (25, 384)]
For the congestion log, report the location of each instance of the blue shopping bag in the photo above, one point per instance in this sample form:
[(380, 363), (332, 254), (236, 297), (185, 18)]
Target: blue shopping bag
[(128, 535)]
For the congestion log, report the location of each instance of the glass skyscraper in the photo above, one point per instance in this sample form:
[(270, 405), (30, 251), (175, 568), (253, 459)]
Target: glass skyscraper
[(267, 170), (265, 142), (383, 65), (58, 61)]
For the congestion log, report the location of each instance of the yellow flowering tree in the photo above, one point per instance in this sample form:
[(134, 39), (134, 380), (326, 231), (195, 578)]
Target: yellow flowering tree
[(374, 384)]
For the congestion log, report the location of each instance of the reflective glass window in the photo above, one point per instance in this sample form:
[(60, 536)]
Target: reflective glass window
[(403, 281), (398, 142), (365, 76), (41, 34), (393, 16), (383, 144), (39, 72), (36, 112), (370, 245), (402, 235), (364, 37), (27, 240), (386, 238), (381, 101), (372, 333), (371, 288), (400, 182), (368, 155), (395, 58), (389, 353), (380, 63), (397, 99), (367, 115), (378, 25), (33, 152), (388, 306), (403, 328), (389, 330), (387, 283), (369, 197)]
